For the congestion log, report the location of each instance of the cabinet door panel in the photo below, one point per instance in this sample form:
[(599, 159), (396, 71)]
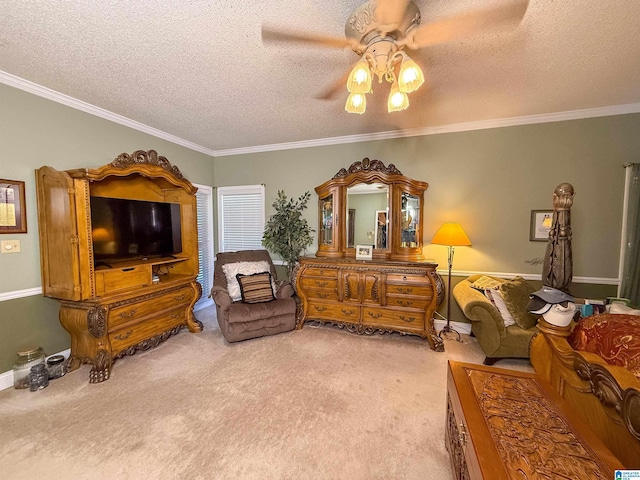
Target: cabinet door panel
[(58, 235)]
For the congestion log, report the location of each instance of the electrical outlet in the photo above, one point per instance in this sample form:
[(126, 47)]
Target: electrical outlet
[(10, 246)]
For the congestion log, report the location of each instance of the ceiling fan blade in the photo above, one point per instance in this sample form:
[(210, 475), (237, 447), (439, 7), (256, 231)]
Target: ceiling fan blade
[(390, 13), (457, 27), (339, 86), (276, 35)]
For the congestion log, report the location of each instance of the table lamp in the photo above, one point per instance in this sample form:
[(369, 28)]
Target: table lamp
[(452, 235)]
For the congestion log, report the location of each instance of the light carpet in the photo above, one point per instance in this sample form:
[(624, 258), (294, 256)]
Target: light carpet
[(316, 403)]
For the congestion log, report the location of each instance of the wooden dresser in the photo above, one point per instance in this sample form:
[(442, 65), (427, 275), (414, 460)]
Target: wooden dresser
[(371, 296), (503, 424)]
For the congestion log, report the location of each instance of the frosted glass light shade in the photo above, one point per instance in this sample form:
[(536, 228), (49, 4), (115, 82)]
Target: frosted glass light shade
[(397, 100), (356, 103), (360, 78), (410, 77)]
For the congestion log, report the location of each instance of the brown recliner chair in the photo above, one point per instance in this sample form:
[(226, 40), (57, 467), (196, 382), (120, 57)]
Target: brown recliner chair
[(242, 321)]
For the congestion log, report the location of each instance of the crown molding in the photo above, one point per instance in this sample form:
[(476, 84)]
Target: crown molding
[(34, 88), (452, 128), (58, 97)]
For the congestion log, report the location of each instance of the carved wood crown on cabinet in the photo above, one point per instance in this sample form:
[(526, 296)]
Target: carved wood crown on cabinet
[(116, 309)]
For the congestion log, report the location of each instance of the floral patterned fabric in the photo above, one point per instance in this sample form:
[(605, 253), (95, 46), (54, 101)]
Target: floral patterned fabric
[(615, 338)]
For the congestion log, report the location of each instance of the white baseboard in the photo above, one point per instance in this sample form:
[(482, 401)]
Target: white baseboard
[(460, 327), (6, 378)]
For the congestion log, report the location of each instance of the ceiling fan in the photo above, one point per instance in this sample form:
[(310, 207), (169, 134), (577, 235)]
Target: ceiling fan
[(380, 30)]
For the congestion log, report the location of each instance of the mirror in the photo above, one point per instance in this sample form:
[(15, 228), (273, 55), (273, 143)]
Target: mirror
[(367, 215)]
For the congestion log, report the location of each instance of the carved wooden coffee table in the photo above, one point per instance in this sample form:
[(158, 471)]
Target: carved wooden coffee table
[(503, 424)]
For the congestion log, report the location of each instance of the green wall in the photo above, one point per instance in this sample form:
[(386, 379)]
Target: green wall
[(489, 181), (34, 132)]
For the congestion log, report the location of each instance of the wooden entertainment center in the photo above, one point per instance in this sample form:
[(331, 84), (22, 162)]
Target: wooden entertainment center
[(116, 307)]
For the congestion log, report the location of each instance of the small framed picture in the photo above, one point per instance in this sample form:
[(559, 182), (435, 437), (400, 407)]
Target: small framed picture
[(364, 252), (13, 215), (541, 222)]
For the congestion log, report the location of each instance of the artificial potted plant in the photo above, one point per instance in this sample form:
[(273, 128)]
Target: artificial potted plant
[(287, 233)]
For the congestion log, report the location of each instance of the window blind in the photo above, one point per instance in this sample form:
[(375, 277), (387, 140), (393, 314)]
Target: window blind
[(240, 218), (204, 216)]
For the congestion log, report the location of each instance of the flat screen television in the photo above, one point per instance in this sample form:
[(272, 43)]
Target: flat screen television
[(123, 228)]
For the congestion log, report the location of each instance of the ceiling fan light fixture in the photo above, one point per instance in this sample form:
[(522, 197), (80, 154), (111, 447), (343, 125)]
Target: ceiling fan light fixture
[(397, 100), (360, 78), (356, 103), (410, 77)]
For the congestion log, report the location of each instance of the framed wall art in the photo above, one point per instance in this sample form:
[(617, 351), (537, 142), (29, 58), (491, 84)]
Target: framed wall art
[(13, 214), (541, 221)]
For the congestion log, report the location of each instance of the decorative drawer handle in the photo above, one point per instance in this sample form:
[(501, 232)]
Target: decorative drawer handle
[(348, 312), (321, 284), (374, 315), (128, 314), (407, 319), (406, 291), (404, 278), (405, 303), (181, 297), (124, 336), (323, 295), (319, 309), (462, 435)]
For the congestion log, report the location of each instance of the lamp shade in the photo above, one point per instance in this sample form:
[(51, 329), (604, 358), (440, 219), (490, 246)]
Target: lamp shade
[(410, 77), (356, 103), (360, 78), (451, 234), (398, 100)]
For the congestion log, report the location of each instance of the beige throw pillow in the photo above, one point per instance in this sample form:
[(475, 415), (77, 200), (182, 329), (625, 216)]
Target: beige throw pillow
[(495, 297), (516, 297), (246, 268)]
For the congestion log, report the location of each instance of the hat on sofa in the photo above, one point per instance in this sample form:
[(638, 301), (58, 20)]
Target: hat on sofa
[(542, 300)]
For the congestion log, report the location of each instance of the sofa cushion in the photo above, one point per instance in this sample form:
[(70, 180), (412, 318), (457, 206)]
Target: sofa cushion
[(516, 297), (484, 282), (246, 268), (495, 297), (256, 287), (240, 312)]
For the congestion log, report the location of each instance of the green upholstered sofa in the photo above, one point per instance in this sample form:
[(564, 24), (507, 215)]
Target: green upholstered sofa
[(487, 325)]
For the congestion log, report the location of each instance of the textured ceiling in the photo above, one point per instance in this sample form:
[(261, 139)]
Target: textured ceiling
[(198, 70)]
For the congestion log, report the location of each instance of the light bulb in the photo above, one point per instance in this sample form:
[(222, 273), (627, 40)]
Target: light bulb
[(356, 103), (397, 100), (410, 77), (360, 78)]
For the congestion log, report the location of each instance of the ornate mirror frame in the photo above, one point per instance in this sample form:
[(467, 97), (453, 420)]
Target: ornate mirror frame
[(405, 209)]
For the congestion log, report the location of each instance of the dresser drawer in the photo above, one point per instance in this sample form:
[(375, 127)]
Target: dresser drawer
[(408, 278), (117, 279), (134, 333), (321, 272), (320, 284), (411, 289), (314, 293), (333, 311), (393, 318), (134, 311), (406, 301)]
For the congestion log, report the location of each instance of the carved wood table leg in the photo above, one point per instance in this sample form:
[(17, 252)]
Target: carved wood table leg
[(101, 369)]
